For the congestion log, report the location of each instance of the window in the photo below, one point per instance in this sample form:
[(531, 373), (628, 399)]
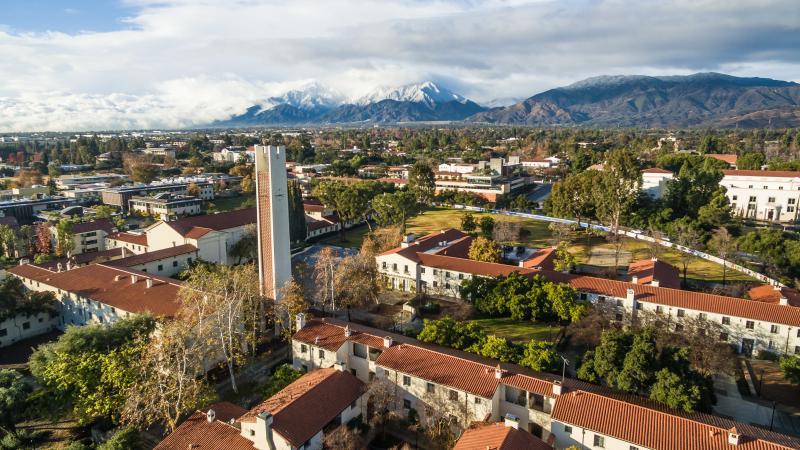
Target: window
[(735, 197), (599, 441), (723, 336), (796, 347), (770, 345), (583, 296), (354, 372), (477, 400), (771, 200), (535, 401), (752, 199), (405, 268), (567, 429), (174, 263), (394, 267), (773, 329), (726, 320), (303, 348), (383, 265), (601, 298), (703, 316), (638, 305), (792, 201), (461, 276), (430, 387), (160, 267), (659, 309), (406, 403), (144, 270), (406, 380), (619, 302), (618, 317), (681, 312), (750, 325), (515, 396), (252, 432), (3, 332), (678, 327), (447, 274), (454, 395), (360, 350), (26, 325), (766, 187), (633, 447), (353, 405), (322, 354), (790, 209)]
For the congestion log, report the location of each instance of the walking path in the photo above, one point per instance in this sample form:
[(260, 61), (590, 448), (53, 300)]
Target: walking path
[(730, 403)]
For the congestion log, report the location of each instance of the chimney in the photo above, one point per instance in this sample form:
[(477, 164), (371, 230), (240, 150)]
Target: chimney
[(512, 421), (300, 321), (124, 251), (134, 279), (407, 240), (733, 436), (654, 283), (149, 283), (339, 366), (654, 259), (211, 415), (347, 331), (117, 277), (387, 341), (58, 267), (631, 295), (69, 264), (635, 279), (557, 387), (783, 301), (316, 340), (498, 372), (267, 419), (24, 261)]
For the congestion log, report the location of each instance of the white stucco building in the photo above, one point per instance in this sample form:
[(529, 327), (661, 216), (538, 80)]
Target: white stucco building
[(654, 182), (766, 195)]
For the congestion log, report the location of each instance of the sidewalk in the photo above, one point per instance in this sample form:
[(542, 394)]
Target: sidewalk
[(730, 403)]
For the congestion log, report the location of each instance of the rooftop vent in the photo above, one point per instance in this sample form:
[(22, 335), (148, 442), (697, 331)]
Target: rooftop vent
[(134, 279), (117, 277), (347, 331), (211, 415), (149, 283), (388, 341), (733, 436)]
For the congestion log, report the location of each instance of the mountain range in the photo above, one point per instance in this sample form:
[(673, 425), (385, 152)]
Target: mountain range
[(699, 100)]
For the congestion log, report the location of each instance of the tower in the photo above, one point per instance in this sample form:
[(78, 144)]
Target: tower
[(272, 205)]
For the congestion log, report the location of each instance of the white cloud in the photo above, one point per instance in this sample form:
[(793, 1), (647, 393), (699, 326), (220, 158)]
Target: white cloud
[(188, 62)]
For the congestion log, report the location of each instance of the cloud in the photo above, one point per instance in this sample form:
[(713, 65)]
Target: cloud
[(186, 62)]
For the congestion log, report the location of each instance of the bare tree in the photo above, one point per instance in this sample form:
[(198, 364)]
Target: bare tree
[(381, 396), (507, 231), (560, 232), (325, 277), (343, 438), (293, 302), (444, 417), (723, 244), (360, 274)]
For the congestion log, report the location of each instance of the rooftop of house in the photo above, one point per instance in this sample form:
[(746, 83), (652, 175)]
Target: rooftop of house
[(657, 170), (426, 243), (125, 289), (197, 432), (303, 408), (590, 406), (82, 259), (131, 238), (762, 173), (94, 225), (730, 159), (157, 255), (193, 226), (772, 294), (498, 436), (648, 270)]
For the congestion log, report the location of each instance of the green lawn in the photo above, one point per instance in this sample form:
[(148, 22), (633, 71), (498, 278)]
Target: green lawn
[(352, 238), (519, 331), (228, 203), (534, 233)]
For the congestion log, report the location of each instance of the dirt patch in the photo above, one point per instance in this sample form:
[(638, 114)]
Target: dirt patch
[(604, 257), (769, 380)]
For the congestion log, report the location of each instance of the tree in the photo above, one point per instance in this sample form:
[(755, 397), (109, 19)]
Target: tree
[(293, 302), (141, 168), (717, 212), (723, 244), (14, 391), (246, 248), (539, 356), (688, 236), (297, 214), (381, 398), (126, 438), (394, 209), (451, 333), (360, 274), (675, 392), (325, 277), (381, 240), (564, 300), (43, 238), (193, 190), (499, 348), (484, 249), (486, 224), (750, 161), (281, 377), (468, 223), (507, 231), (574, 196), (564, 260), (28, 178), (421, 182), (65, 237), (7, 238), (790, 365), (90, 370), (215, 301), (343, 438), (616, 193)]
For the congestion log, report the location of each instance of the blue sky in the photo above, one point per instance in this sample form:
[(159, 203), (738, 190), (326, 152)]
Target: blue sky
[(88, 64), (65, 16)]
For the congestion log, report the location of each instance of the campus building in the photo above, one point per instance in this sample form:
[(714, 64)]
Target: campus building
[(437, 263), (430, 379), (765, 195)]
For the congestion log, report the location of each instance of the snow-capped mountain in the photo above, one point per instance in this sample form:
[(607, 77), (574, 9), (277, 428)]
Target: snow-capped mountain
[(427, 92), (310, 96)]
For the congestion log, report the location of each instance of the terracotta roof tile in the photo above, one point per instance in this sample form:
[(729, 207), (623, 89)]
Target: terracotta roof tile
[(197, 433), (647, 270), (95, 225), (216, 222), (82, 259), (144, 258), (469, 266), (542, 258), (497, 436), (656, 170), (762, 173), (770, 294), (303, 408), (657, 430), (131, 238), (425, 243), (98, 282), (730, 159)]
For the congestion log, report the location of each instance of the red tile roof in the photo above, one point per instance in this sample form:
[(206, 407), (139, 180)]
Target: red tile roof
[(656, 170), (426, 243), (131, 238), (216, 222), (303, 408), (95, 225), (469, 266), (730, 159), (458, 248), (197, 433), (144, 258), (497, 436), (770, 294), (542, 258), (658, 430), (647, 270), (98, 282), (762, 173), (82, 259)]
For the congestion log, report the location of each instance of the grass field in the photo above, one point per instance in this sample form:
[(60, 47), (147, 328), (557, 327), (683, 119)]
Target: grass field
[(228, 203), (519, 331), (352, 238), (534, 233)]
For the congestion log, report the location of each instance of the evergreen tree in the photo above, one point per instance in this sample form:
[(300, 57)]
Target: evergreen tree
[(297, 215)]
